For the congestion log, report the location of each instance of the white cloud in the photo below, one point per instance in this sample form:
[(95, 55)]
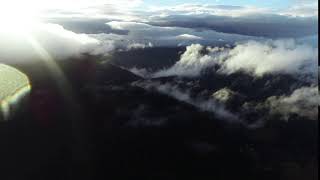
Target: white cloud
[(254, 57), (18, 45), (303, 101), (142, 72), (43, 9), (303, 9), (139, 46), (188, 37), (191, 63), (297, 8), (142, 33), (224, 95), (279, 56), (71, 4), (296, 21), (206, 9), (119, 10), (137, 9), (209, 105)]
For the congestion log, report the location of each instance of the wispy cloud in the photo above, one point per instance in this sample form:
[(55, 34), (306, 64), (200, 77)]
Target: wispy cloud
[(172, 90)]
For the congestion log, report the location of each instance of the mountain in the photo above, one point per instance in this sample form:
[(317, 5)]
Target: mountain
[(100, 125)]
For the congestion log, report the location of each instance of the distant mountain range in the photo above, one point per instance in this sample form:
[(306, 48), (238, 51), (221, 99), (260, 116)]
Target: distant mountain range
[(118, 125)]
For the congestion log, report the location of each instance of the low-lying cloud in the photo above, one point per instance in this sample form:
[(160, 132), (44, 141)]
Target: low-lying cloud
[(280, 56), (254, 57), (191, 63), (174, 91), (303, 102)]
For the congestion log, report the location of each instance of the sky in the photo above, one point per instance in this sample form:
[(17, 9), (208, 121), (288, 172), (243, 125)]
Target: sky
[(98, 8), (259, 3), (100, 26)]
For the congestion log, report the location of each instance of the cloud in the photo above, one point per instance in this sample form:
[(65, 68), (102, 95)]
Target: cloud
[(18, 45), (142, 72), (197, 23), (254, 57), (65, 9), (139, 46), (71, 5), (87, 26), (208, 9), (226, 95), (238, 11), (296, 21), (142, 33), (300, 19), (303, 102), (172, 90), (302, 10), (191, 63), (273, 56), (188, 37)]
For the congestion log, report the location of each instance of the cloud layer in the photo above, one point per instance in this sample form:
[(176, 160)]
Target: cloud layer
[(296, 21), (254, 57), (143, 33)]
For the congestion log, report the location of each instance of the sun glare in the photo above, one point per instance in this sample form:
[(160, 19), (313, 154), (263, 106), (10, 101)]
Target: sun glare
[(20, 20), (17, 16)]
